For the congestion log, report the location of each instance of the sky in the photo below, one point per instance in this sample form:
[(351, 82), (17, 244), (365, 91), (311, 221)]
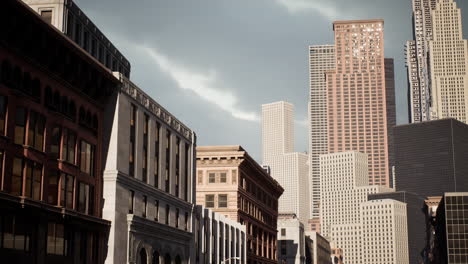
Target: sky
[(213, 63)]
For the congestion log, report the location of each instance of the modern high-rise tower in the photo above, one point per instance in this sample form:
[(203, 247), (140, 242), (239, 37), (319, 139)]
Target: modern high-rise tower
[(448, 59), (416, 61), (358, 105), (321, 60)]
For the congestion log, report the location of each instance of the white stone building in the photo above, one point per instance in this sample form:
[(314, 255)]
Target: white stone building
[(344, 188), (218, 239), (289, 168), (291, 239), (148, 182)]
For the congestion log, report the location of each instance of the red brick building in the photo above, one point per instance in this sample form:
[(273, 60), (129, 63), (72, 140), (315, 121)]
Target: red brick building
[(52, 100)]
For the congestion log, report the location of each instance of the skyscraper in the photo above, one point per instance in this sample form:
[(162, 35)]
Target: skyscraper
[(289, 168), (416, 61), (357, 102), (321, 60), (448, 56)]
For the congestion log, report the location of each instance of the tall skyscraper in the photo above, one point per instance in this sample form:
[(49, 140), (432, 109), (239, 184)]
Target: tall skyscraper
[(357, 106), (289, 168), (416, 61), (448, 56), (321, 60)]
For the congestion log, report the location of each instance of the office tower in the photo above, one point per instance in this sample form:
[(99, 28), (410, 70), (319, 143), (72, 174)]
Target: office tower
[(448, 59), (321, 60), (218, 239), (417, 61), (431, 157), (320, 249), (289, 168), (344, 187), (384, 232), (416, 214), (291, 239), (51, 144), (451, 225), (148, 175), (357, 107), (232, 183), (67, 17)]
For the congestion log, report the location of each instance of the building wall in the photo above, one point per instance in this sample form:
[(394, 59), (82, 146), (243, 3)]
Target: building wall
[(291, 240), (321, 248), (71, 20), (321, 60), (254, 203), (277, 129), (448, 62), (149, 188), (357, 98)]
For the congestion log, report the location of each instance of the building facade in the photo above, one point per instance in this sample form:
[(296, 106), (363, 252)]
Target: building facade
[(51, 143), (358, 108), (67, 17), (231, 183), (291, 240), (430, 157), (417, 56), (451, 225), (149, 189), (218, 239), (289, 168), (321, 60), (321, 251), (448, 59)]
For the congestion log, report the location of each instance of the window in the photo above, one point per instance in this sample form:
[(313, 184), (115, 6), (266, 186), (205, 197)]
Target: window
[(3, 112), (33, 180), (20, 125), (66, 190), (209, 201), (17, 177), (177, 218), (52, 189), (86, 41), (131, 169), (131, 202), (222, 200), (177, 165), (55, 142), (156, 210), (222, 177), (87, 158), (186, 221), (283, 248), (144, 172), (85, 198), (56, 242), (36, 131), (187, 171), (168, 160), (145, 206), (283, 231), (156, 155), (212, 177), (15, 233), (167, 214), (68, 148), (78, 33), (46, 16)]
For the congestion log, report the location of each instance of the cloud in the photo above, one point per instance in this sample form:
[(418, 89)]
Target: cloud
[(202, 84), (296, 6)]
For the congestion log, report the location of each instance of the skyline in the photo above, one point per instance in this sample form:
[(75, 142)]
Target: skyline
[(195, 79)]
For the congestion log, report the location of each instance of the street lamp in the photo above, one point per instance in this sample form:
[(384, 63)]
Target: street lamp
[(224, 261)]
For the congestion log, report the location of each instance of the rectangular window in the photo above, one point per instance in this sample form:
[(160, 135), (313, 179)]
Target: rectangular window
[(66, 190), (47, 16), (68, 147), (156, 210), (177, 170), (145, 149), (56, 240), (85, 198), (187, 171), (17, 177), (209, 201), (55, 142), (78, 33), (36, 130), (186, 221), (156, 155), (131, 168), (33, 180), (283, 231), (222, 201), (131, 202), (168, 160), (52, 188), (222, 177), (3, 112), (20, 125), (86, 41), (94, 48), (16, 233), (177, 218), (145, 206), (87, 158), (212, 177), (168, 211)]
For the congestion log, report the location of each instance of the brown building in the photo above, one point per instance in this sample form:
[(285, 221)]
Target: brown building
[(231, 183), (52, 99), (360, 92)]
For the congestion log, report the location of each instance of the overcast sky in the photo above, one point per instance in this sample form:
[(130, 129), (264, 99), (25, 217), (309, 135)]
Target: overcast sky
[(213, 63)]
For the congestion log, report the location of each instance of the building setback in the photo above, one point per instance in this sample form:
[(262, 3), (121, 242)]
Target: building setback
[(358, 106), (51, 143), (289, 168), (321, 60), (431, 157), (231, 183), (149, 188), (67, 17)]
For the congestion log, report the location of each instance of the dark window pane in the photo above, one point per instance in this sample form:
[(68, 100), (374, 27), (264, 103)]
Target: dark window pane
[(20, 125), (47, 15)]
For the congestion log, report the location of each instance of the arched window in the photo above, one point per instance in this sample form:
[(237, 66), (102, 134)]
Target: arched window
[(17, 77), (155, 257), (72, 110), (143, 257), (178, 260), (167, 259), (56, 101), (36, 88)]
